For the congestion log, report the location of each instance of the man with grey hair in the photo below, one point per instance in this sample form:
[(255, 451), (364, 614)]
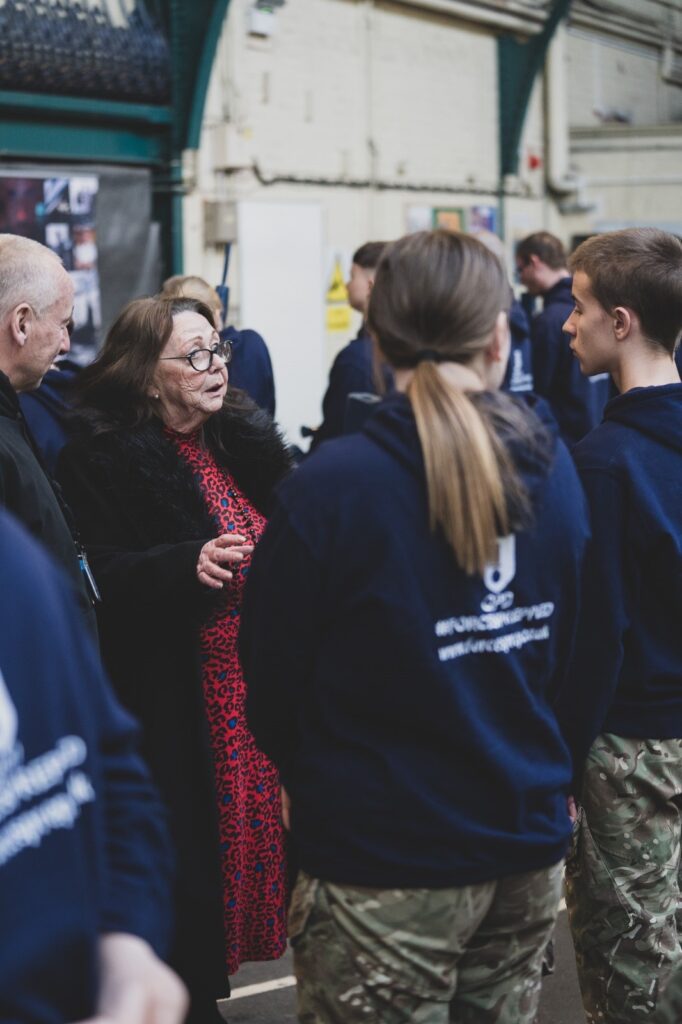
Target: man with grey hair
[(36, 304)]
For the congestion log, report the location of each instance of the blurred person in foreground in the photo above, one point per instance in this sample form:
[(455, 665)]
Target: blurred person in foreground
[(417, 585), (622, 707), (251, 367), (36, 306), (170, 481), (84, 853), (576, 400)]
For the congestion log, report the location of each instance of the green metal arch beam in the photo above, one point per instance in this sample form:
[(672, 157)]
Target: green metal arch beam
[(194, 32), (518, 62), (203, 74)]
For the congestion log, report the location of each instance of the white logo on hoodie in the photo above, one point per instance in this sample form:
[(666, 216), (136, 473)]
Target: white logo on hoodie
[(498, 575), (9, 721)]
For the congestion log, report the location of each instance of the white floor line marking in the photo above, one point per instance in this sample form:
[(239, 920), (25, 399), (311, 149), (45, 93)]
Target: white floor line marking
[(263, 986)]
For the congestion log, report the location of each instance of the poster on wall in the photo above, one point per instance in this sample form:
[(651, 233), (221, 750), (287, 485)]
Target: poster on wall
[(60, 213), (482, 218), (450, 218)]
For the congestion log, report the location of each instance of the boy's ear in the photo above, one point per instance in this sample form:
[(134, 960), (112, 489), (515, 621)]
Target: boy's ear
[(624, 320)]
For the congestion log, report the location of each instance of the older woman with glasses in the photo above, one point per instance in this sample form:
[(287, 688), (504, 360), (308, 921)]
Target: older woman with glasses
[(170, 479)]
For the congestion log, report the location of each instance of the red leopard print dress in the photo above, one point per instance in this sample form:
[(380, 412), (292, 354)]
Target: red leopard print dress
[(253, 862)]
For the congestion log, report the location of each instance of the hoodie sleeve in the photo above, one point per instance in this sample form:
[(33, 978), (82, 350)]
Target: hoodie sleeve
[(280, 627), (584, 701)]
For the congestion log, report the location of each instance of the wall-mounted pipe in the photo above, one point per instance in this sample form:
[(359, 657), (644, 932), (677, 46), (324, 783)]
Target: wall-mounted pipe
[(560, 180)]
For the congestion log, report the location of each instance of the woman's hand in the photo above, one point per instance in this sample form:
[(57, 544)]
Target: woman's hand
[(135, 986), (572, 809), (228, 549), (286, 810)]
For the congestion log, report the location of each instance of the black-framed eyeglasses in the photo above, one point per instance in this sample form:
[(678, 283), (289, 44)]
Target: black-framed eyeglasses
[(201, 359)]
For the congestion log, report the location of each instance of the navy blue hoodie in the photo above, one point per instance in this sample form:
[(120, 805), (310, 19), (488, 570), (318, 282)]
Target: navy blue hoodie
[(251, 367), (83, 846), (46, 411), (627, 673), (407, 704), (519, 375), (576, 401), (352, 371)]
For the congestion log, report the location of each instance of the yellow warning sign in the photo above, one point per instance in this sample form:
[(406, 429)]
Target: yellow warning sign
[(338, 310), (338, 318), (337, 291)]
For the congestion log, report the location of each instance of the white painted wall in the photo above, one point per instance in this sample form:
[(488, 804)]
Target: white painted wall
[(613, 77), (350, 94), (280, 263)]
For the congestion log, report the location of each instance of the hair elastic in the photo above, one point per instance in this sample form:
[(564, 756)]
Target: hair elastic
[(429, 355)]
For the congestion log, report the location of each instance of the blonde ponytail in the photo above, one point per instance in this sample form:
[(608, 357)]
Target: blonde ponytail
[(465, 466), (436, 298)]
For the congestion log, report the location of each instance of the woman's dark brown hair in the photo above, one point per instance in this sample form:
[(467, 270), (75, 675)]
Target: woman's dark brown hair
[(443, 292), (117, 382)]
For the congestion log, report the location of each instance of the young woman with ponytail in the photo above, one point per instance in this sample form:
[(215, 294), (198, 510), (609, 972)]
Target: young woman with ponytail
[(408, 618)]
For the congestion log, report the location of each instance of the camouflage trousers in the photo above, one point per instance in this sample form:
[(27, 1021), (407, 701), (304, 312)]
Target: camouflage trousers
[(669, 1006), (622, 878), (426, 956)]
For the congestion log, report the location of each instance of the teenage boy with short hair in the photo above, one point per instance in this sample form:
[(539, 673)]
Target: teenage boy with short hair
[(622, 709)]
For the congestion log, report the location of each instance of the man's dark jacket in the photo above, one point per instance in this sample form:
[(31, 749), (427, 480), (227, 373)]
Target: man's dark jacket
[(26, 490)]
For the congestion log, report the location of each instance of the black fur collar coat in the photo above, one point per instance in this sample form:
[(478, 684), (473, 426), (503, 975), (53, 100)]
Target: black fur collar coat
[(161, 494), (143, 521)]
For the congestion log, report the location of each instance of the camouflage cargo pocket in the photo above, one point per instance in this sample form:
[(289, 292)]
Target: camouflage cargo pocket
[(597, 911), (302, 903)]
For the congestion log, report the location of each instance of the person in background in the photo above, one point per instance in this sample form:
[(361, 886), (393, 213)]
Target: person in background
[(251, 366), (170, 479), (519, 376), (36, 306), (417, 585), (47, 410), (85, 862), (354, 368), (576, 401), (621, 710)]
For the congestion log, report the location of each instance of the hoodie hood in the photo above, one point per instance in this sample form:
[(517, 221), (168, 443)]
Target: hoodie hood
[(532, 446), (654, 412), (562, 291)]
